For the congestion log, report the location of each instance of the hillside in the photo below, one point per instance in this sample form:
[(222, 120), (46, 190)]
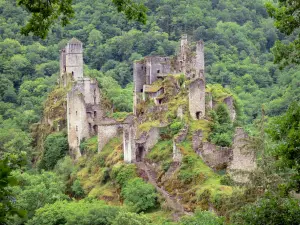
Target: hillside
[(173, 150)]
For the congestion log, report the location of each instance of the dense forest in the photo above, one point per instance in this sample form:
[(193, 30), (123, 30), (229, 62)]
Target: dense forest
[(47, 186)]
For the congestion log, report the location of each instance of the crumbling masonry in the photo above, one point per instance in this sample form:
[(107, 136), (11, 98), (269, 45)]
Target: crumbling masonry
[(85, 116)]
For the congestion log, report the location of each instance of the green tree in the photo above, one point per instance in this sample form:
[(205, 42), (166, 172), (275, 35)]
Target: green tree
[(271, 209), (285, 131), (139, 195), (44, 14), (129, 218), (36, 190), (7, 207), (202, 218), (56, 147), (287, 20)]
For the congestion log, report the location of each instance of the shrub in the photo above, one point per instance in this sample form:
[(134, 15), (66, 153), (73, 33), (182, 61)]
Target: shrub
[(202, 218), (139, 195), (271, 209), (226, 180), (56, 146), (176, 127), (124, 173), (76, 213), (77, 189), (130, 219)]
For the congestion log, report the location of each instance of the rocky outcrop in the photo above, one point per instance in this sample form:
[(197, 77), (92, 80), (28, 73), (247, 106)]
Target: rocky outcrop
[(214, 156), (243, 158), (180, 137), (229, 101)]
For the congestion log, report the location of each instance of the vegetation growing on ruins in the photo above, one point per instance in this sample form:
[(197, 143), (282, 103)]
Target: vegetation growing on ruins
[(99, 188)]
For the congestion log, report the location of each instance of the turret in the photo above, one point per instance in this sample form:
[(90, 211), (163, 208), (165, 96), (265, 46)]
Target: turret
[(71, 62)]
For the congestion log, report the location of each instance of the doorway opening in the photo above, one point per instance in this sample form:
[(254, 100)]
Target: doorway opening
[(140, 153)]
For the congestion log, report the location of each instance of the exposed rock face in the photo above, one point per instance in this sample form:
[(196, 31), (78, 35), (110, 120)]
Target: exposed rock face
[(177, 156), (243, 161), (215, 156), (145, 142), (180, 112), (230, 104), (208, 101), (197, 140)]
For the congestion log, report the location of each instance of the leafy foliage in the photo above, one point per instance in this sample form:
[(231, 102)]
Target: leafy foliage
[(45, 13), (202, 218), (271, 209), (56, 146), (139, 195), (7, 180), (287, 20), (36, 190), (285, 131), (222, 127)]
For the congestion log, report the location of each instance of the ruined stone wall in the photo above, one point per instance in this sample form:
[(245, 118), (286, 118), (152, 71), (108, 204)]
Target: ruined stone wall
[(200, 60), (229, 101), (139, 79), (83, 109), (106, 133), (74, 59), (215, 156), (76, 117), (128, 143), (208, 101), (62, 61), (156, 66), (243, 158), (145, 142), (180, 137), (197, 99), (152, 139)]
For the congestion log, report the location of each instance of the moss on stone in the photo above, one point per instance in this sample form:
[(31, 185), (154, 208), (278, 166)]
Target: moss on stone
[(162, 151), (148, 125)]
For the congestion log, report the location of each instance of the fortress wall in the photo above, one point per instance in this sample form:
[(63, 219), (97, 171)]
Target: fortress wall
[(197, 99), (106, 133)]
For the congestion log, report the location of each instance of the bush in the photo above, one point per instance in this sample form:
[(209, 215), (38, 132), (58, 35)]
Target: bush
[(222, 139), (222, 127), (56, 147), (77, 189), (129, 218), (226, 180), (271, 209), (176, 127), (202, 218), (75, 213), (124, 173), (139, 195)]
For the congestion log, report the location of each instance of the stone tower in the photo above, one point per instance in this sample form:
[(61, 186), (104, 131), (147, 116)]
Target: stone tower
[(200, 60), (197, 86), (83, 98), (71, 62)]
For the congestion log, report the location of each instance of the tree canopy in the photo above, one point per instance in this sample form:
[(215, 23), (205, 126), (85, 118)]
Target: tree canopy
[(287, 19)]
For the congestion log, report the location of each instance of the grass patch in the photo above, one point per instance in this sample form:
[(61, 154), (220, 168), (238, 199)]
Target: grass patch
[(120, 116), (219, 93), (200, 125), (148, 125), (162, 151), (194, 166), (90, 145)]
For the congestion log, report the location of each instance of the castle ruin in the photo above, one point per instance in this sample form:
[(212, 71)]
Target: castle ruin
[(83, 99), (86, 118)]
